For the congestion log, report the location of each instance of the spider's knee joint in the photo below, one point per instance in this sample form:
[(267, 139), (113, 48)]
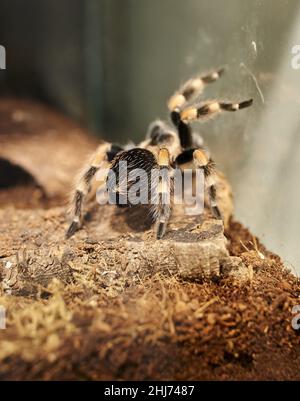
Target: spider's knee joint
[(176, 101), (163, 157), (200, 157)]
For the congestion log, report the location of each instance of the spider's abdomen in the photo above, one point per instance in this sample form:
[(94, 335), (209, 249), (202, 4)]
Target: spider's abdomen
[(129, 172)]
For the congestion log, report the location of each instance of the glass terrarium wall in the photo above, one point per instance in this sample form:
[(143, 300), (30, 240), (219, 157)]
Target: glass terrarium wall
[(112, 64)]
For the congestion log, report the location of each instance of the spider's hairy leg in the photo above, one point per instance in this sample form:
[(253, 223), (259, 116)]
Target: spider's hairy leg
[(191, 89), (188, 91), (211, 109), (202, 161), (163, 209), (184, 130), (103, 155)]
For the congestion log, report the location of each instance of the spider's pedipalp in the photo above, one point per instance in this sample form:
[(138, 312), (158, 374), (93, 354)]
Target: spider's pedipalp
[(156, 128), (161, 135), (210, 109), (103, 155), (203, 161)]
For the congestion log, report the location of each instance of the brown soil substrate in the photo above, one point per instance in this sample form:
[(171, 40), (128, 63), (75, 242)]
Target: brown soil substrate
[(160, 327)]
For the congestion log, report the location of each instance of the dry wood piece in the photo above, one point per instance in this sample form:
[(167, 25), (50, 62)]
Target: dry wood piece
[(113, 243), (46, 145)]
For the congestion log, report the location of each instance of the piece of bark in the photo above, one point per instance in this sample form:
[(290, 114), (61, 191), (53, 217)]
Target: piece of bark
[(123, 262), (118, 247)]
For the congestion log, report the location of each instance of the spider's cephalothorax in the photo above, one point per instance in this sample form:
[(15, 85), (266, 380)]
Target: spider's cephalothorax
[(164, 148)]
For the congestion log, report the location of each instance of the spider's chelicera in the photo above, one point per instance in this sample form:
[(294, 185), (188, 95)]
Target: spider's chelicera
[(156, 170)]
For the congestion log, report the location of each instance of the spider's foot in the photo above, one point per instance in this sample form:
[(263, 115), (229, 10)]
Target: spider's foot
[(236, 106), (246, 103), (160, 231), (217, 213), (74, 226), (213, 76)]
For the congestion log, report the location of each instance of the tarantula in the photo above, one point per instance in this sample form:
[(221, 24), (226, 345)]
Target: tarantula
[(165, 147)]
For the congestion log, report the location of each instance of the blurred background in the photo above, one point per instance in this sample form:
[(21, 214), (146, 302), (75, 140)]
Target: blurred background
[(112, 64)]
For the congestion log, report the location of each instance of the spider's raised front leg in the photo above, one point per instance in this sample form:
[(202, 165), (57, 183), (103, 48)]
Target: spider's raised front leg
[(101, 158), (186, 93), (207, 110)]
